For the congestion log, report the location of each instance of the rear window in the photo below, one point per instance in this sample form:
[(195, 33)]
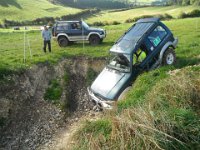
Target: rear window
[(62, 26), (157, 35)]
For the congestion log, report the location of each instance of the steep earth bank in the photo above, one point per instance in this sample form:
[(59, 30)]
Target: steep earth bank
[(27, 121)]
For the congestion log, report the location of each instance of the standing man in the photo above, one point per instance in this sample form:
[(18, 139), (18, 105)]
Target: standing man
[(46, 35)]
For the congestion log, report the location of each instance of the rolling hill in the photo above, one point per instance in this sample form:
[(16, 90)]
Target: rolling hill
[(21, 10), (121, 16)]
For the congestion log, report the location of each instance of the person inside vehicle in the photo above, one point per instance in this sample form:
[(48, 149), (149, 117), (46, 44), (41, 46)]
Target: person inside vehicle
[(122, 60), (139, 56), (74, 26)]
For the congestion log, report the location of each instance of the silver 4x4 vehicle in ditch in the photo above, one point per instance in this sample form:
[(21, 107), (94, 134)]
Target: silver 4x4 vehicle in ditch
[(71, 31), (146, 45)]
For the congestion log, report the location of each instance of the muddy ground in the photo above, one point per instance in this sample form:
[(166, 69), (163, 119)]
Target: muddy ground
[(27, 120)]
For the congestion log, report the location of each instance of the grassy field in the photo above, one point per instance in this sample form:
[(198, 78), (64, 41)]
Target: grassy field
[(121, 16), (21, 10), (12, 45)]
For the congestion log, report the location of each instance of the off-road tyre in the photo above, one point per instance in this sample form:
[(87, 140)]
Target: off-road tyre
[(122, 96), (63, 41), (169, 57), (94, 40), (101, 40)]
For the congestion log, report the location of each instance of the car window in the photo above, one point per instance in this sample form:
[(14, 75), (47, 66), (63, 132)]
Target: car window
[(62, 26), (76, 26), (120, 62), (157, 35)]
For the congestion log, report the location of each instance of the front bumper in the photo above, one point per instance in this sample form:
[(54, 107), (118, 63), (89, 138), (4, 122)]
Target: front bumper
[(55, 38), (99, 101), (102, 36)]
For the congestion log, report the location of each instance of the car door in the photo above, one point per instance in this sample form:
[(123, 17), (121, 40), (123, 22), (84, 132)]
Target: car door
[(154, 43), (77, 32)]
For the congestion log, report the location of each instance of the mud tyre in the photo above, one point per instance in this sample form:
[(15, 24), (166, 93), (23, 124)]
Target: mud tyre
[(169, 57), (63, 42), (122, 96), (94, 40)]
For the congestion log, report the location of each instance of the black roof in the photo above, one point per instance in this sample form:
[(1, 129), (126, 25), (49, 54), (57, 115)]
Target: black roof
[(128, 41), (71, 21)]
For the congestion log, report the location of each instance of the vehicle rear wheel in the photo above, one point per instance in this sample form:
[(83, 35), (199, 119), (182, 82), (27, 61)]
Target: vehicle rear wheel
[(94, 40), (63, 41), (169, 57)]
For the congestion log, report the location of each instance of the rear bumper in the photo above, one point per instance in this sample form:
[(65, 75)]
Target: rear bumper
[(99, 101)]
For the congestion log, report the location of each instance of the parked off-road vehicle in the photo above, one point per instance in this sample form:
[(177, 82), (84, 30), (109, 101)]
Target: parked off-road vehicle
[(71, 31), (145, 46)]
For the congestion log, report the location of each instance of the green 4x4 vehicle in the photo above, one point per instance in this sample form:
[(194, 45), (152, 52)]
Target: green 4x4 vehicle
[(145, 46)]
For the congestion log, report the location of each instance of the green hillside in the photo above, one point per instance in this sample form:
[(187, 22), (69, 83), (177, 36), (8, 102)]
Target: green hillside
[(121, 16), (30, 9)]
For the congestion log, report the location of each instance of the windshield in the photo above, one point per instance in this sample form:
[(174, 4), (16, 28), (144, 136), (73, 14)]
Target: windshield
[(85, 25), (120, 62)]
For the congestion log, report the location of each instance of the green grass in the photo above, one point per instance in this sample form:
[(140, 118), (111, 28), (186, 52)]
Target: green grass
[(21, 10), (121, 16), (53, 92)]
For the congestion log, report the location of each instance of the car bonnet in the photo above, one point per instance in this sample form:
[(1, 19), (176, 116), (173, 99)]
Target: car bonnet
[(106, 82)]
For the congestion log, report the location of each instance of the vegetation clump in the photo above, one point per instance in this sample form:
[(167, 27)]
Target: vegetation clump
[(90, 76), (53, 92), (161, 16), (192, 14)]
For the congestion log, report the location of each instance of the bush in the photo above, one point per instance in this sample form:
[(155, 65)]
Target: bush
[(182, 15), (115, 23), (194, 13), (162, 17), (54, 92), (90, 76), (98, 23)]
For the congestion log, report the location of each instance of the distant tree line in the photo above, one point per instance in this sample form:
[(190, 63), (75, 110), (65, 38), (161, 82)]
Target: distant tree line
[(184, 2), (115, 4)]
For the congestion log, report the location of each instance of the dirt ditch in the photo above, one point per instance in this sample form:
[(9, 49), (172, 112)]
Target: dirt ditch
[(27, 120)]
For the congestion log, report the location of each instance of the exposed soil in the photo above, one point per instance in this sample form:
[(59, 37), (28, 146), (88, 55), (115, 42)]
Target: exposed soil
[(33, 123)]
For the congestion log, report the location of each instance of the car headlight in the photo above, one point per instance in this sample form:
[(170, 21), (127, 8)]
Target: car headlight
[(101, 33)]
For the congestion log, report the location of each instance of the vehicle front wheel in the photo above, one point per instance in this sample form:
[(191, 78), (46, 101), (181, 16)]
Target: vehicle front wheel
[(169, 57), (94, 40), (124, 93), (63, 41)]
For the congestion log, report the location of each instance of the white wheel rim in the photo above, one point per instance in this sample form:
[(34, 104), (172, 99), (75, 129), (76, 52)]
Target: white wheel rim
[(170, 59)]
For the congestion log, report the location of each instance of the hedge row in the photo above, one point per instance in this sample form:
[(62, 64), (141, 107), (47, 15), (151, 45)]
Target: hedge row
[(162, 17), (46, 20), (194, 13), (104, 23)]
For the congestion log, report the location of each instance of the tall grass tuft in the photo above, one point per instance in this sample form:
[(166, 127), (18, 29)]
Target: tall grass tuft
[(168, 118)]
